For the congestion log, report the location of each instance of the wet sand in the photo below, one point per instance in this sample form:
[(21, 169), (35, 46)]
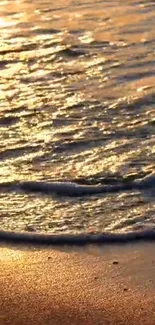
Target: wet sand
[(91, 286)]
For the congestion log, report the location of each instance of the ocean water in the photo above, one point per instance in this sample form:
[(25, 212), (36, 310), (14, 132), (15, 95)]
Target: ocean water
[(77, 103)]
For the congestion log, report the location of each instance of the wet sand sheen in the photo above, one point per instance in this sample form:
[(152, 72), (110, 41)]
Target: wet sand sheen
[(106, 285)]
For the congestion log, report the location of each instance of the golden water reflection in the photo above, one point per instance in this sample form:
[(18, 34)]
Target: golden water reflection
[(76, 100)]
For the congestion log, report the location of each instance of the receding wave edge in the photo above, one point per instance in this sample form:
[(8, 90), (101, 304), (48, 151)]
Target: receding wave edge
[(78, 240)]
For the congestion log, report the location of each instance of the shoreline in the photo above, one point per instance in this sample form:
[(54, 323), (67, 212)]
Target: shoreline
[(85, 239), (87, 286)]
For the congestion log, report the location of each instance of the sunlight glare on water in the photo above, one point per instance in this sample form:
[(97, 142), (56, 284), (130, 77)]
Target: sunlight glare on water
[(77, 94)]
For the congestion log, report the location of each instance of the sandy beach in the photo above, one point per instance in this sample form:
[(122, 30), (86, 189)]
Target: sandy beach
[(91, 286)]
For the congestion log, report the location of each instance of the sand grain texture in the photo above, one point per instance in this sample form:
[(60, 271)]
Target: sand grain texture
[(93, 286)]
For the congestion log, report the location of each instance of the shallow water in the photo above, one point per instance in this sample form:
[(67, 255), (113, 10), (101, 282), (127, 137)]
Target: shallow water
[(77, 93)]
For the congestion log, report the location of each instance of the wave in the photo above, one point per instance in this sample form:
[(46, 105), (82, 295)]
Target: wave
[(77, 240), (75, 189)]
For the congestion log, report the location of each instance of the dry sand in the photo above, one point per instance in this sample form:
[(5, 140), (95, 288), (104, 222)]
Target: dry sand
[(98, 285)]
